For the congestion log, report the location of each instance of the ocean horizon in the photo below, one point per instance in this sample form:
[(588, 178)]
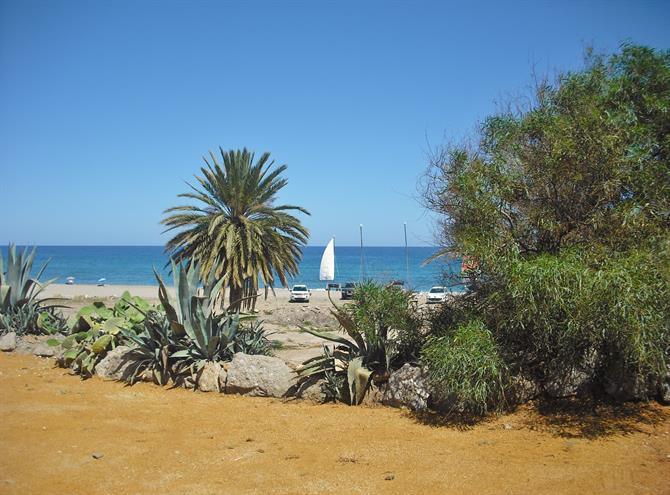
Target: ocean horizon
[(134, 265)]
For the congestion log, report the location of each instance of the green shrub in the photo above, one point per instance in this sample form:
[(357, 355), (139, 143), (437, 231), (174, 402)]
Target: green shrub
[(465, 368), (383, 330), (609, 318), (564, 206)]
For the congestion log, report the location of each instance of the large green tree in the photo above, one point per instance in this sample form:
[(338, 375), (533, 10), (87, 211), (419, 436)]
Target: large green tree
[(235, 231), (564, 203)]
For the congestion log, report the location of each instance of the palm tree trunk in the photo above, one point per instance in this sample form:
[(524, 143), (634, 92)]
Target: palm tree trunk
[(234, 301)]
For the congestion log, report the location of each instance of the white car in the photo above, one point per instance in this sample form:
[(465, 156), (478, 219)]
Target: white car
[(300, 293), (436, 295)]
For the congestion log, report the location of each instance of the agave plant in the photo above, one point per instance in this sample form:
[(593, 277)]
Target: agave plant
[(379, 328), (20, 302), (203, 333), (355, 357), (152, 349)]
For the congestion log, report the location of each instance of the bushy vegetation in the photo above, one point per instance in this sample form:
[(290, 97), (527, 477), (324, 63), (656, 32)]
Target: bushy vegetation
[(172, 341), (565, 208), (382, 328), (466, 369)]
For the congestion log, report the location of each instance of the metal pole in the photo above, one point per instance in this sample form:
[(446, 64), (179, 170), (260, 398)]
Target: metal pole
[(406, 256), (360, 276)]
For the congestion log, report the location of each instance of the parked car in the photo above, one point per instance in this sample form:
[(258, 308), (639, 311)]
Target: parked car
[(332, 286), (436, 295), (300, 293), (347, 291)]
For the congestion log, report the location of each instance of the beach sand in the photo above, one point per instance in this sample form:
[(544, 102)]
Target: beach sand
[(150, 440)]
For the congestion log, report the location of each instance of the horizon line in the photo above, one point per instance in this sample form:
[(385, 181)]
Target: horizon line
[(160, 245)]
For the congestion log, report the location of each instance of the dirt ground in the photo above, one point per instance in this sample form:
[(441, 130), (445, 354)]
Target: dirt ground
[(59, 434)]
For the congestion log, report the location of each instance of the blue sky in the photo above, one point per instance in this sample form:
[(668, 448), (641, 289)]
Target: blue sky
[(106, 107)]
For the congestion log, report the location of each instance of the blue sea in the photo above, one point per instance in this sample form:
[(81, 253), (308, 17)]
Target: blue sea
[(133, 265)]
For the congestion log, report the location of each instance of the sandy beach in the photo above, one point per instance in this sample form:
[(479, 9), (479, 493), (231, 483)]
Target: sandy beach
[(152, 440)]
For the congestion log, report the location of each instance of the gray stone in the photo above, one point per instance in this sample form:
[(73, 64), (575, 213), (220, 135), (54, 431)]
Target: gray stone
[(407, 387), (212, 377), (664, 394), (258, 376), (8, 342), (44, 350), (629, 388), (568, 385), (115, 365), (312, 391), (523, 389)]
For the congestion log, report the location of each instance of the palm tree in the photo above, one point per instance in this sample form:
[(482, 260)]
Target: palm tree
[(236, 232)]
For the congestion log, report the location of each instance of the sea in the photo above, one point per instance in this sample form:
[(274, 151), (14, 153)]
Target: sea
[(134, 265)]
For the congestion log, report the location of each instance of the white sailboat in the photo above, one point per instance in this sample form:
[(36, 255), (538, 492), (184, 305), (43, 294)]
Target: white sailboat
[(327, 269)]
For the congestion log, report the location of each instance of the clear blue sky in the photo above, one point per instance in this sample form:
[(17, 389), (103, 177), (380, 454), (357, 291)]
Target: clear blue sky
[(106, 107)]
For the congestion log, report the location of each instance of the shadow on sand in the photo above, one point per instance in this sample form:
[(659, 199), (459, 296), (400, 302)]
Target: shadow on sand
[(566, 418)]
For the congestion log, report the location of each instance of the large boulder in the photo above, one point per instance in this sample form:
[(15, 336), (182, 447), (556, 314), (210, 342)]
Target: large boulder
[(8, 342), (116, 364), (258, 376), (212, 377), (407, 387)]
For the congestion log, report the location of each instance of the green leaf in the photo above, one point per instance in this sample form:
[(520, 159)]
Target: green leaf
[(100, 345)]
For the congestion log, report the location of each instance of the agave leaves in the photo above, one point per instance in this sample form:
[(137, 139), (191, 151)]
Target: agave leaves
[(20, 302), (364, 353), (204, 334), (347, 358), (191, 310), (152, 349)]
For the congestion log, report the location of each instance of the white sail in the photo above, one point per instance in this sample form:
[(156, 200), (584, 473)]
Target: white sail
[(327, 271)]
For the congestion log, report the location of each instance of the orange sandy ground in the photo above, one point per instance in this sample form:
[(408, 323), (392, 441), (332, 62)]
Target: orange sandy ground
[(175, 441)]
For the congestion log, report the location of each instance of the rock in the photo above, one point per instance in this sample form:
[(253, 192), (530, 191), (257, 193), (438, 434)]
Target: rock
[(312, 391), (147, 376), (43, 350), (374, 395), (97, 455), (664, 394), (407, 387), (8, 342), (568, 385), (258, 376), (212, 377), (522, 390), (626, 389), (115, 365)]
